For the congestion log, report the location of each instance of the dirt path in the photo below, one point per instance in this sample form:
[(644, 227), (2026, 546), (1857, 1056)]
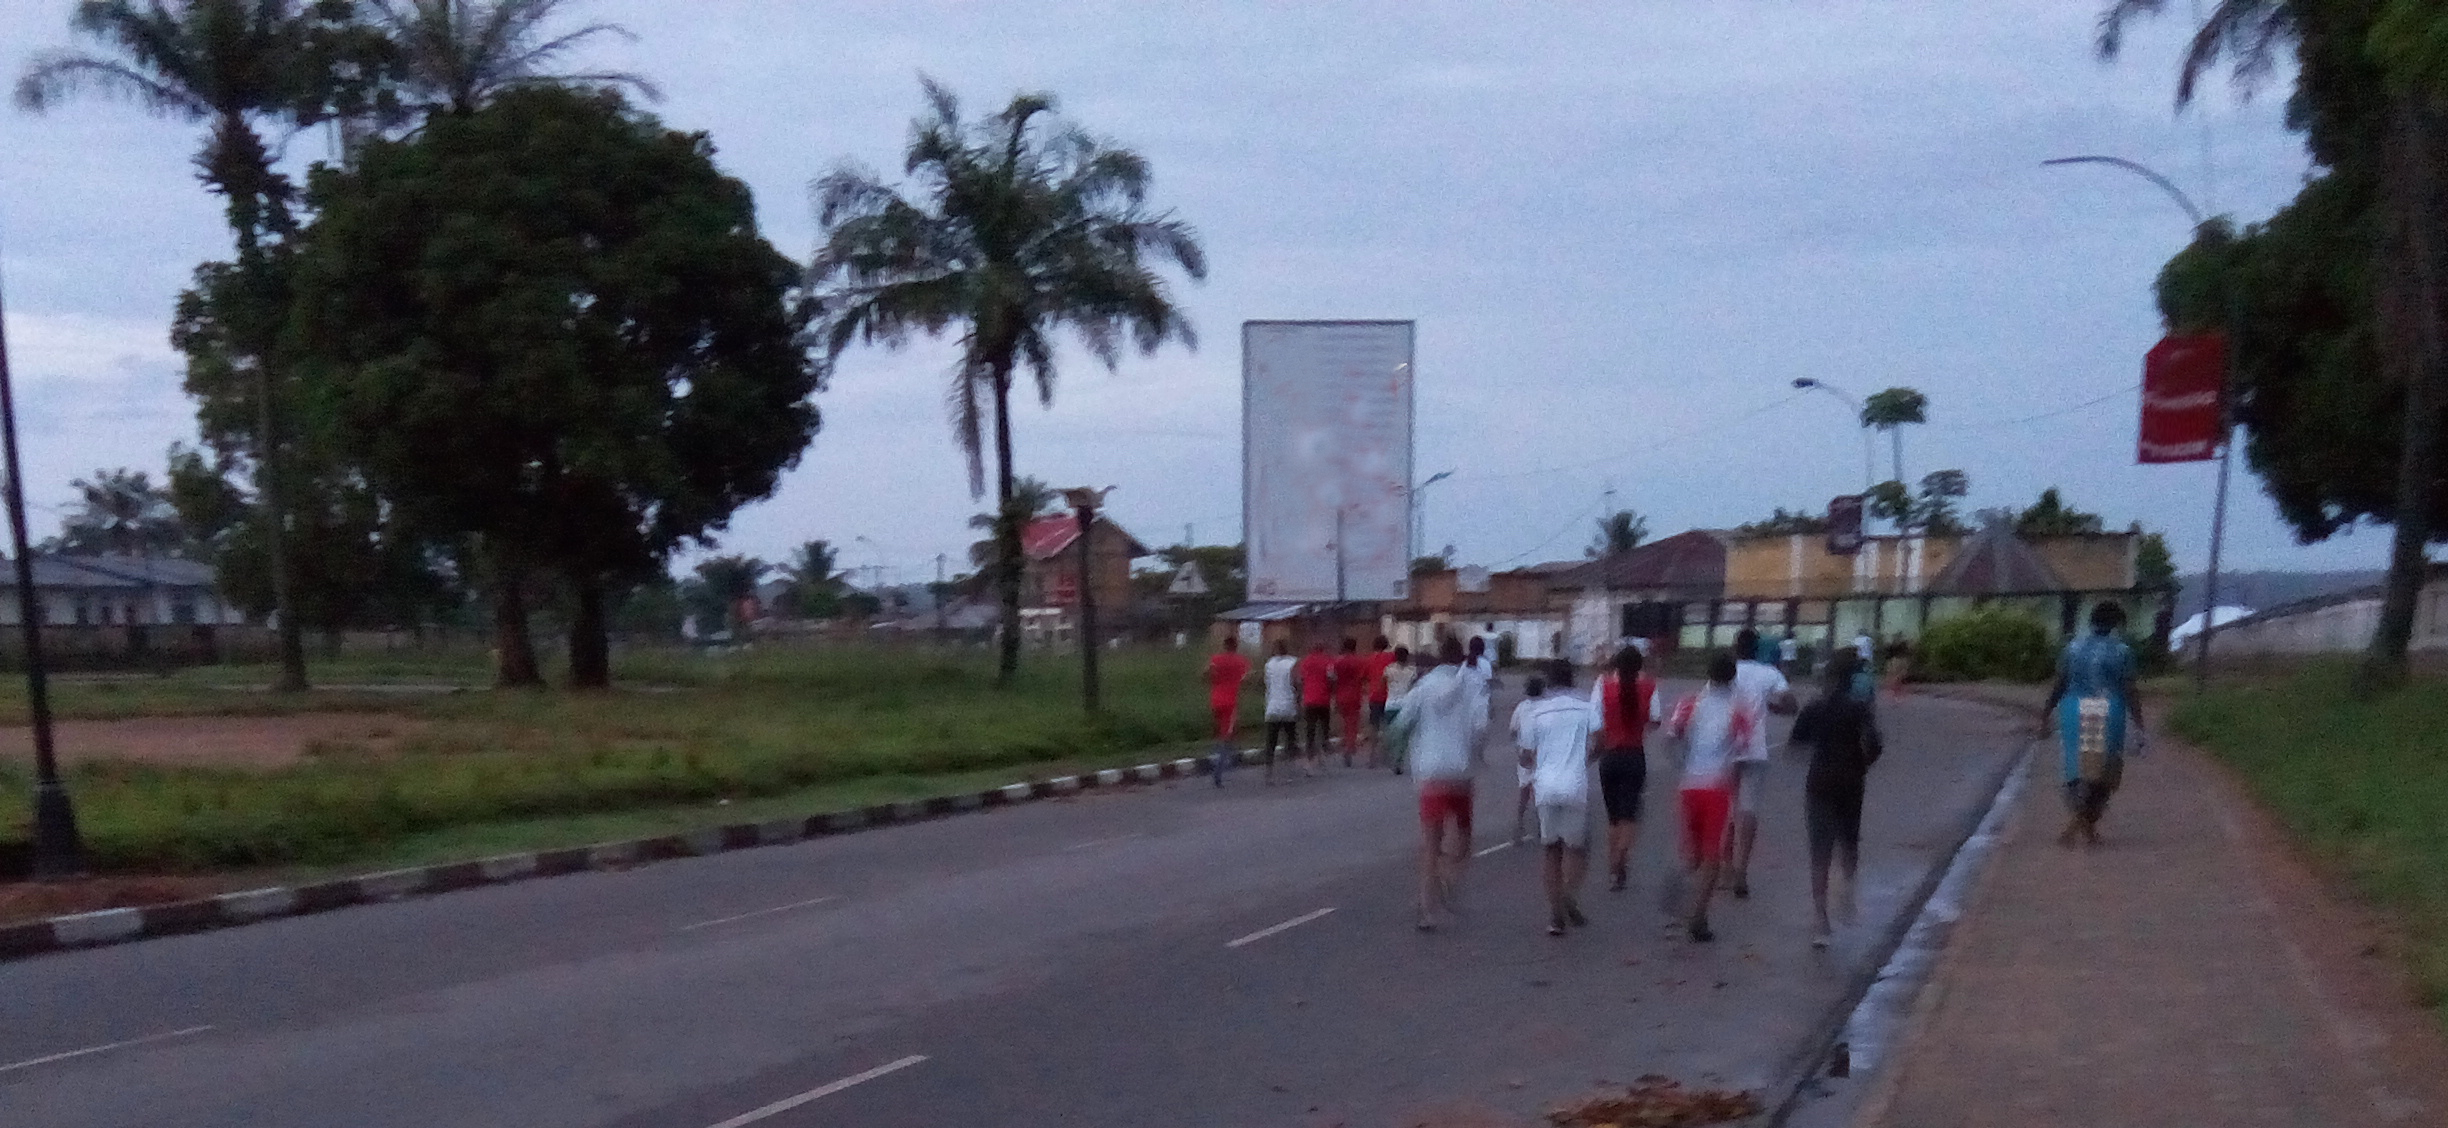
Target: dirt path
[(215, 741)]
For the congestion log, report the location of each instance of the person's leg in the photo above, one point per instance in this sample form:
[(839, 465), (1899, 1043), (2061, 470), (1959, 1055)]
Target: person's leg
[(1351, 733), (2077, 796), (1551, 876), (1431, 853), (1848, 853), (1820, 817), (2111, 775), (1749, 789), (1521, 812), (1710, 810)]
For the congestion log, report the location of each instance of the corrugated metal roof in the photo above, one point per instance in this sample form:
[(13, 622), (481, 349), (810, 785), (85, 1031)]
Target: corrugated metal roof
[(1994, 561), (1045, 537), (1265, 612), (111, 573), (1693, 561)]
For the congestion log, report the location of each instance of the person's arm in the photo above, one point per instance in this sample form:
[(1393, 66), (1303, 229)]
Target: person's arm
[(1806, 724), (2128, 685), (2056, 693), (1872, 744), (1781, 699)]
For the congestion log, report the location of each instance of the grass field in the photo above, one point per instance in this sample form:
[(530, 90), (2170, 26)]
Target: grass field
[(2363, 785), (824, 728)]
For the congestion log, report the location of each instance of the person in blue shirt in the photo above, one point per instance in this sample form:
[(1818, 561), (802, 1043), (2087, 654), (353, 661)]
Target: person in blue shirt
[(2092, 705)]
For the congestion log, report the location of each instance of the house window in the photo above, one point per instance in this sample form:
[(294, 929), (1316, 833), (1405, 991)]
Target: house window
[(84, 613), (182, 610)]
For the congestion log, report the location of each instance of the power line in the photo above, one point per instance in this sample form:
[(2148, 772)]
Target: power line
[(2069, 410), (1688, 433)]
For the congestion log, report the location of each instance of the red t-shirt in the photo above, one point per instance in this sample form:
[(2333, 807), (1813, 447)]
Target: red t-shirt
[(1224, 674), (1611, 711), (1351, 678), (1316, 678), (1378, 664)]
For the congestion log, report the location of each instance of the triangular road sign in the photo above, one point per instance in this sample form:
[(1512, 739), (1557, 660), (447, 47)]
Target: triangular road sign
[(1188, 581)]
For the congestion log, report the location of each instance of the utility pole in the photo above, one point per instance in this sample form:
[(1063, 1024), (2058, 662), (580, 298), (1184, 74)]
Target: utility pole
[(1084, 502), (58, 849)]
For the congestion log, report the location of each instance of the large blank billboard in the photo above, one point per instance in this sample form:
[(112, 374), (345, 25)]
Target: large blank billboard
[(1326, 459)]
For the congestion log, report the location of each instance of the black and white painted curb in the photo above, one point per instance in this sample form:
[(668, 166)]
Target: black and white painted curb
[(115, 926)]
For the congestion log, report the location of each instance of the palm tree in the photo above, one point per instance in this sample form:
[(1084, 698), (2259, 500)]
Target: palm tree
[(453, 56), (1890, 411), (2411, 306), (815, 580), (121, 511), (1618, 532), (1030, 499), (233, 66), (1018, 228)]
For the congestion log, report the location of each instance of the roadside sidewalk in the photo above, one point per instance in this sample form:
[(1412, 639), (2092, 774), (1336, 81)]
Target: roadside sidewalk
[(2192, 971)]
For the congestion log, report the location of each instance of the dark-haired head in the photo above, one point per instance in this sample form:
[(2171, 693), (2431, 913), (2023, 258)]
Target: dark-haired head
[(1535, 687), (1232, 642), (1721, 668), (1449, 651), (1842, 665), (1402, 654), (1746, 643), (1383, 642), (2108, 618), (1478, 646), (1628, 662), (1351, 646), (1560, 673)]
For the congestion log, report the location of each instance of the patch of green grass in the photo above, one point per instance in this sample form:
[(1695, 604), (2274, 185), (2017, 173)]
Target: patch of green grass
[(745, 726), (2364, 785)]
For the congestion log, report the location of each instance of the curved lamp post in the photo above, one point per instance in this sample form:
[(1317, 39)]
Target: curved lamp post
[(1869, 457), (58, 852), (1084, 502), (2235, 322), (1419, 514)]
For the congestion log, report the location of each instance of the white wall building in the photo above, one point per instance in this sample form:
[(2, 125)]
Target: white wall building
[(112, 591), (2334, 623)]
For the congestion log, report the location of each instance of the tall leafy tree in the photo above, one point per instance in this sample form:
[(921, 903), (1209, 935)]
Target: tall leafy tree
[(722, 583), (454, 56), (2369, 95), (121, 512), (551, 325), (235, 67), (816, 581), (1934, 511), (1891, 411), (1013, 228), (1782, 523), (2051, 516), (1618, 532), (1030, 498)]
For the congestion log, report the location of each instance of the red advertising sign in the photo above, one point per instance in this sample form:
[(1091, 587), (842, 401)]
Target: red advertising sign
[(2183, 381)]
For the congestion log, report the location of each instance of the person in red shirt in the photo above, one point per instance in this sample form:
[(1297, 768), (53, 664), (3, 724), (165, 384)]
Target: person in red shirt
[(1351, 678), (1225, 673), (1316, 676), (1380, 659), (1623, 698)]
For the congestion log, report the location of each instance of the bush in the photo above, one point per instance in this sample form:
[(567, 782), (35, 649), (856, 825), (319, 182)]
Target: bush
[(1987, 643)]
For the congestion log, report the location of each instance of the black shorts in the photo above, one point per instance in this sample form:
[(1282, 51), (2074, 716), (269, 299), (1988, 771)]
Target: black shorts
[(1622, 776), (1377, 714), (1833, 813)]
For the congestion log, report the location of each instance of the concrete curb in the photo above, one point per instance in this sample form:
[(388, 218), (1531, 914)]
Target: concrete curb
[(229, 910)]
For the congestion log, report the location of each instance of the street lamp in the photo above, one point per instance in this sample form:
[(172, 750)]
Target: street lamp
[(58, 854), (1419, 513), (1084, 502), (2235, 323), (1869, 458)]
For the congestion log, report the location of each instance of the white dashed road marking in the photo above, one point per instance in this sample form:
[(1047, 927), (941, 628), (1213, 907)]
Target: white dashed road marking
[(820, 1092), (1271, 930), (47, 1059), (756, 914), (1103, 841), (1493, 849)]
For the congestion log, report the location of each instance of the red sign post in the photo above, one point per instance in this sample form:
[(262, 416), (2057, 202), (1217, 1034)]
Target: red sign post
[(2184, 380)]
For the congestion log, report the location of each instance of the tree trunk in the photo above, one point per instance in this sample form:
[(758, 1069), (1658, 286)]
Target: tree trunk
[(1895, 435), (514, 647), (590, 640), (1007, 529), (2412, 177)]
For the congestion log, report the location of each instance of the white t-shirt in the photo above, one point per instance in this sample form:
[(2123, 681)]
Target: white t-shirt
[(1444, 735), (1714, 726), (1399, 678), (1556, 730), (1754, 684), (1281, 703), (1863, 646), (1476, 676)]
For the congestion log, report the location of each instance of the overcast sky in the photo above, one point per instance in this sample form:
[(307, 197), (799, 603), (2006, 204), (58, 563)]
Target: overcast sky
[(1623, 230)]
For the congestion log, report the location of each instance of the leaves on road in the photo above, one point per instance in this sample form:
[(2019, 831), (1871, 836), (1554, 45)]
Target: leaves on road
[(1657, 1102)]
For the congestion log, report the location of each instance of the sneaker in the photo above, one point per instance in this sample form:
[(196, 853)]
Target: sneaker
[(1572, 915), (1819, 941), (1699, 931), (1555, 926), (1617, 884), (1742, 888)]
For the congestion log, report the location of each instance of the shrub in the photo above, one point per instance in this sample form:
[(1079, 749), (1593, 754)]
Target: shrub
[(1988, 642)]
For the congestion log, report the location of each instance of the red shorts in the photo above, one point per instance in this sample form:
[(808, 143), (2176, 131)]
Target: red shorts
[(1227, 715), (1704, 821), (1442, 800), (1351, 714)]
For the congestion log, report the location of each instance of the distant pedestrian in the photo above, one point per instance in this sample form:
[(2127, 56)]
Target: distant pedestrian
[(1556, 732), (1866, 648), (1714, 726), (1899, 667), (2093, 704), (1626, 701), (1225, 673), (1381, 660), (1351, 678), (1532, 690), (1317, 704), (1442, 736), (1282, 706), (1843, 736), (1479, 671), (1763, 690), (1789, 651), (1399, 677)]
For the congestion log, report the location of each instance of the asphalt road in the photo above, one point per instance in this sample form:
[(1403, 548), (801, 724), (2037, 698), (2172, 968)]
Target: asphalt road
[(1103, 960)]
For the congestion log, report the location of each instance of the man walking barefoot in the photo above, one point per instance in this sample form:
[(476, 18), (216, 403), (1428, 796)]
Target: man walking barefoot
[(1555, 731), (1762, 690), (1624, 699), (1844, 739), (1225, 673), (1442, 737), (1714, 726)]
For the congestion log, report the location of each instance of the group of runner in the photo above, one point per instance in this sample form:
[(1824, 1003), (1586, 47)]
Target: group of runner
[(1437, 714)]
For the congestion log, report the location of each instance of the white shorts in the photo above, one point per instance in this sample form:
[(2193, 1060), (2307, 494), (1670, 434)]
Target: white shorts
[(1751, 781), (1564, 824)]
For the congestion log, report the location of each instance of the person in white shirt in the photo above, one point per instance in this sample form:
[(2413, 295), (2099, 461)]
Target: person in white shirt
[(1282, 707), (1443, 738), (1555, 730), (1479, 672), (1399, 678), (1761, 690), (1714, 726)]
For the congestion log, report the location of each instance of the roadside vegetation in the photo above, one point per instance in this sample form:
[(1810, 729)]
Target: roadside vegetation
[(2361, 783), (690, 731)]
